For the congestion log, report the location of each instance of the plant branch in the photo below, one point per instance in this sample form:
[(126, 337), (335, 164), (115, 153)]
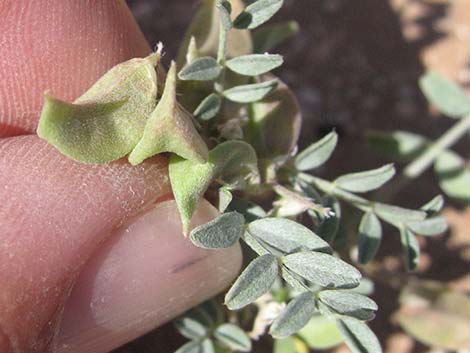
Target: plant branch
[(419, 165), (221, 57), (352, 199), (423, 162)]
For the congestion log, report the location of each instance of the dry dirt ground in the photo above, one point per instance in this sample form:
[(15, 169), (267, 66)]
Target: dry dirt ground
[(355, 66)]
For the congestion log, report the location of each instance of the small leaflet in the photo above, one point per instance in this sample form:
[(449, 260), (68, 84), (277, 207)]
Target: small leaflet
[(295, 316), (254, 281), (233, 337), (254, 64), (366, 181), (317, 154), (445, 95), (370, 236), (251, 92), (257, 13), (201, 69), (323, 269), (222, 232)]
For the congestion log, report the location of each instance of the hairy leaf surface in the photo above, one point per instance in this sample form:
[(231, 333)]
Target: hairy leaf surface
[(231, 161), (254, 281), (323, 269), (107, 121), (170, 129), (222, 232), (295, 316)]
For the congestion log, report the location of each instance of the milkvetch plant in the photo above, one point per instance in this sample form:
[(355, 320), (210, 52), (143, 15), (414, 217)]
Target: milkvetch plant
[(229, 128)]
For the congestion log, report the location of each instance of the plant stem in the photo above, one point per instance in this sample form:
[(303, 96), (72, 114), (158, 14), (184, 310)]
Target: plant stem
[(419, 165), (423, 162), (222, 48), (356, 201), (221, 57)]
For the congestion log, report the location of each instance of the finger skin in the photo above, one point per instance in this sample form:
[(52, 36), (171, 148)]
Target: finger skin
[(145, 274), (54, 213), (60, 46)]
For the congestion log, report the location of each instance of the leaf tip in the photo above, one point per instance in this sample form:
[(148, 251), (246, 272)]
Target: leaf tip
[(155, 57), (185, 227), (134, 159)]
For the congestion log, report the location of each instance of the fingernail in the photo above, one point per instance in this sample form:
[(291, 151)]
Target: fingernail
[(143, 276)]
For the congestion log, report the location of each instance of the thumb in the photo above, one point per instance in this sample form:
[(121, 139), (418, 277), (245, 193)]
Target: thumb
[(145, 275), (55, 214)]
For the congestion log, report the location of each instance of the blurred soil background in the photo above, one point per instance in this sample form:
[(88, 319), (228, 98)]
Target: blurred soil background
[(354, 66)]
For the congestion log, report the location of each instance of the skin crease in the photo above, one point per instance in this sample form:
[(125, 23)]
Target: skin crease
[(55, 213), (61, 47)]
